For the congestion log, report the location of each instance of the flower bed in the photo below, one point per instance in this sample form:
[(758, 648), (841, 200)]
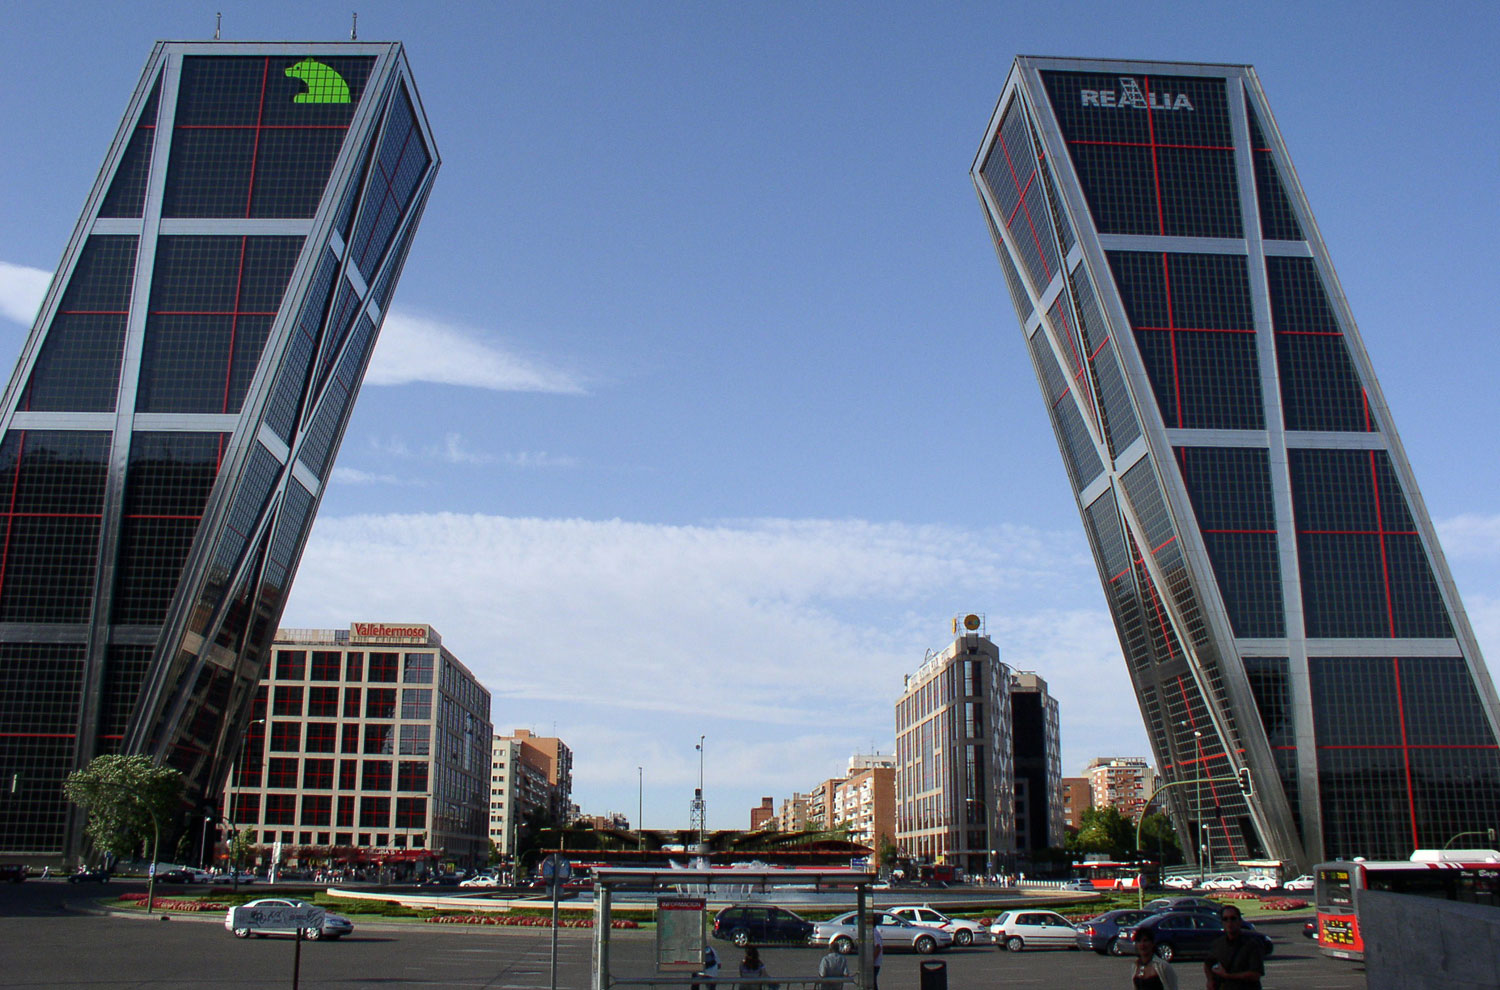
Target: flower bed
[(1283, 903), (172, 904), (522, 920)]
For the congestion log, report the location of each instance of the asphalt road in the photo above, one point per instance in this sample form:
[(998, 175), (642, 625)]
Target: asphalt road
[(47, 941)]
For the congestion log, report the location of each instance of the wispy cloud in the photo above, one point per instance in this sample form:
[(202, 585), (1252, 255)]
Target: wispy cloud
[(454, 450), (1471, 535), (354, 476), (768, 629), (421, 349), (538, 459), (21, 291)]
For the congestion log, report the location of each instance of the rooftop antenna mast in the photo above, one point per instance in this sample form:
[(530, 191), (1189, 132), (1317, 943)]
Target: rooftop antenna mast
[(218, 23), (354, 26)]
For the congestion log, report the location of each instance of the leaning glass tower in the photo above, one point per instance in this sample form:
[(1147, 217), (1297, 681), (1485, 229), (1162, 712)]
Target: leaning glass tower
[(1279, 592), (168, 431)]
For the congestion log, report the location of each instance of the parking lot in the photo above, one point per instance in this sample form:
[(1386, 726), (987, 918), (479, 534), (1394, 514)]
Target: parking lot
[(47, 943)]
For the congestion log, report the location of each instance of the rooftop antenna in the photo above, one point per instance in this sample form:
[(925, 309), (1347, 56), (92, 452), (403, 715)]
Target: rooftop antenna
[(354, 27), (218, 22)]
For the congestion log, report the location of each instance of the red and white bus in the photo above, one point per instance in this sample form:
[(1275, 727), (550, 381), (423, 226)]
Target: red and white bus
[(1468, 875)]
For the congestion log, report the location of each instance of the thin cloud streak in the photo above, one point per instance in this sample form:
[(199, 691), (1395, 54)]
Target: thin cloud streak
[(22, 289), (420, 349)]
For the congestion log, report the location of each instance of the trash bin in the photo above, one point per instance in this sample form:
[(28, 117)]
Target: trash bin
[(934, 975)]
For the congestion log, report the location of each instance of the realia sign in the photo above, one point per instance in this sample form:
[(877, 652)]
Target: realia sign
[(1130, 97)]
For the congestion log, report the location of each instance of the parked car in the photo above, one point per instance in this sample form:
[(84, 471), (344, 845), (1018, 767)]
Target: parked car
[(1163, 904), (1224, 882), (1261, 883), (482, 880), (443, 880), (12, 872), (1020, 930), (1101, 933), (1302, 883), (1178, 883), (335, 926), (761, 924), (1183, 934), (1080, 884), (88, 876), (842, 934), (926, 916)]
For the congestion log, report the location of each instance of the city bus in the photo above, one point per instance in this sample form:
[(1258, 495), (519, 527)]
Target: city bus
[(1112, 875), (1468, 875)]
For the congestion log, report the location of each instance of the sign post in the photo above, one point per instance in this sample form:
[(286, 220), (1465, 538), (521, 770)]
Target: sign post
[(280, 918), (556, 871)]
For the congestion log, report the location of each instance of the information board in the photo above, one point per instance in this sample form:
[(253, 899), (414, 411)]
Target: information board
[(277, 917), (679, 933)]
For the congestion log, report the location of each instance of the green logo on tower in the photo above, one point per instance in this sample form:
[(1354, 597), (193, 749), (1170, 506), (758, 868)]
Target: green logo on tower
[(324, 85)]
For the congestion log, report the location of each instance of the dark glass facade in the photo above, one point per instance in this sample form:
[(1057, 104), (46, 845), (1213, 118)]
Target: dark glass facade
[(1274, 578), (166, 435)]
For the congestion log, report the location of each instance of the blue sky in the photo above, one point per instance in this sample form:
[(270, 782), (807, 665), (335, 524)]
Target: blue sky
[(702, 409)]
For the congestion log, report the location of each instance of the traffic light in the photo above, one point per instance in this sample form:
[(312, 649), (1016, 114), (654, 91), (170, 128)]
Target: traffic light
[(1247, 787)]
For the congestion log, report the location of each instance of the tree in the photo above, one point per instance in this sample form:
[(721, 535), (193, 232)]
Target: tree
[(126, 798), (1103, 830), (1157, 834), (885, 853), (241, 847)]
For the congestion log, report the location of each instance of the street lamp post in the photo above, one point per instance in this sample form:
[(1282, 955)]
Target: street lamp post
[(233, 833), (702, 808), (1198, 799), (640, 809)]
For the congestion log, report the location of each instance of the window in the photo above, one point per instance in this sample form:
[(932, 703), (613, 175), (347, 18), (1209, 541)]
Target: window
[(321, 737), (418, 668), (290, 665), (317, 775), (374, 812), (345, 816), (416, 703), (323, 701), (416, 740), (281, 772), (326, 665), (348, 774), (377, 775), (380, 738), (280, 808), (411, 812), (383, 667), (350, 743), (287, 701), (354, 666), (316, 809), (351, 702), (380, 703), (411, 776), (286, 737)]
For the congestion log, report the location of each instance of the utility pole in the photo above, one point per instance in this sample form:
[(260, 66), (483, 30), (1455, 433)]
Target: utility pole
[(698, 813)]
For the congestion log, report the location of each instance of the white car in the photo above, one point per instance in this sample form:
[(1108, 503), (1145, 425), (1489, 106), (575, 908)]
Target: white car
[(1261, 883), (925, 916), (335, 926), (1302, 883), (1223, 882), (1178, 883), (1021, 930), (483, 880)]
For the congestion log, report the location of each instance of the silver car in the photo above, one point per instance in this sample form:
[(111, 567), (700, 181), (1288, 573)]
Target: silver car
[(926, 916), (1027, 929), (842, 935), (334, 925)]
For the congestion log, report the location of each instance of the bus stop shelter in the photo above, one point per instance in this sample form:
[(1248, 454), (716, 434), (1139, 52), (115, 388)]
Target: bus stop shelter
[(610, 881)]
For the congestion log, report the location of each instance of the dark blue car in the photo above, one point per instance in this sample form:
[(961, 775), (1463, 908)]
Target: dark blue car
[(1184, 934), (1102, 933)]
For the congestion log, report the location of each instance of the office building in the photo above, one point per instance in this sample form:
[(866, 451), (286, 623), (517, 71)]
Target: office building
[(174, 416), (1277, 585), (365, 745), (1124, 783), (954, 770), (1036, 744), (1077, 797)]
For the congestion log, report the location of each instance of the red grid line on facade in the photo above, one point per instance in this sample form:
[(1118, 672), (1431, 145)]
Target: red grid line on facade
[(10, 515), (1166, 275), (1385, 567), (1156, 608), (55, 515), (1147, 144), (1161, 219), (154, 515), (1021, 198), (1411, 800), (390, 186), (260, 116), (1061, 397), (1309, 333), (213, 312), (261, 127), (1098, 349), (1016, 180), (234, 321), (1195, 329), (1158, 548), (1364, 398), (1410, 746)]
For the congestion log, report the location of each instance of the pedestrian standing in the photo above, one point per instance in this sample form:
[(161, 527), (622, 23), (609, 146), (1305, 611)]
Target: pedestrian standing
[(752, 966), (1235, 960), (1151, 973), (833, 965), (710, 968)]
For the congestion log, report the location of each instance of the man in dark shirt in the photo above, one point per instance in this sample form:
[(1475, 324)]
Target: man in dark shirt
[(1235, 960)]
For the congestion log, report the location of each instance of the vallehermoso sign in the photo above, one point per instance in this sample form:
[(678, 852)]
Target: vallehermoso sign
[(388, 633)]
